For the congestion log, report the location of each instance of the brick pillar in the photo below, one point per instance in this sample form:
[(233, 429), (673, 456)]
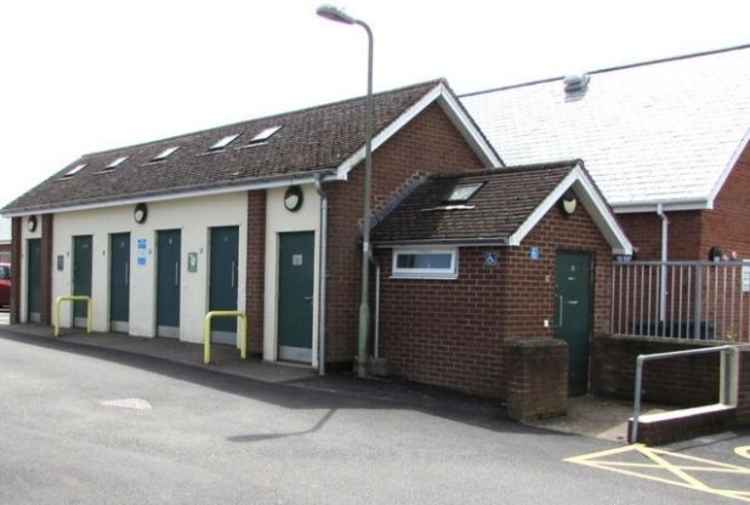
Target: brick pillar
[(536, 377), (256, 259), (15, 267), (46, 268)]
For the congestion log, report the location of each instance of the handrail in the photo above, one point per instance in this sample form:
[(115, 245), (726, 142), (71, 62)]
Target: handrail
[(643, 358), (207, 332), (73, 298)]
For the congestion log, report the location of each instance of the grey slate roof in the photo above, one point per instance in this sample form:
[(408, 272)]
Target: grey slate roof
[(507, 197), (310, 140), (651, 132)]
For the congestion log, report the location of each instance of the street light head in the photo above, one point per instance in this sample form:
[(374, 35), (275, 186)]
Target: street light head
[(334, 14)]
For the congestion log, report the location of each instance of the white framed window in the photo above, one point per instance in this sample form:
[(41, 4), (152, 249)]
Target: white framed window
[(424, 263)]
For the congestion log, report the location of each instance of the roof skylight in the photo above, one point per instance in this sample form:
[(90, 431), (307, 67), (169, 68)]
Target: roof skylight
[(462, 192), (265, 134), (74, 170), (166, 153), (117, 162), (221, 144)]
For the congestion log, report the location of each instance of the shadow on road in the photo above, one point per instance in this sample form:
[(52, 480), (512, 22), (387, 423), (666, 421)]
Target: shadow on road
[(333, 392)]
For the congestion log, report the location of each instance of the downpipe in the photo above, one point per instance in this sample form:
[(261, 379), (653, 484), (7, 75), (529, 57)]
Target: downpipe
[(322, 275), (664, 259)]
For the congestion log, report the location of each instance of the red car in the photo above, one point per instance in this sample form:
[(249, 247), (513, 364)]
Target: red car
[(4, 284)]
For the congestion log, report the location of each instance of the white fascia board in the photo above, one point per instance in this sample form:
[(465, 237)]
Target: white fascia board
[(276, 183), (592, 202), (456, 114), (667, 206), (728, 168)]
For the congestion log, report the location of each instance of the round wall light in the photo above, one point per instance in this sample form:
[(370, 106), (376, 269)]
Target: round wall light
[(140, 214), (31, 224), (293, 198), (569, 202)]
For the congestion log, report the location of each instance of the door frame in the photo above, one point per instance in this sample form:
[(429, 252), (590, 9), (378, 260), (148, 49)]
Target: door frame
[(72, 306), (37, 315), (208, 280), (592, 297), (315, 301), (177, 334), (123, 327)]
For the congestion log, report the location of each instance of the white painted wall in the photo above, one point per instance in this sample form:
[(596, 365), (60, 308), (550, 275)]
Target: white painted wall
[(193, 216), (25, 236), (280, 220)]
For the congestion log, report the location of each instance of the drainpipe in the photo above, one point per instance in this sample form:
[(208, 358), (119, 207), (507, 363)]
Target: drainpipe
[(664, 258), (322, 275), (376, 352)]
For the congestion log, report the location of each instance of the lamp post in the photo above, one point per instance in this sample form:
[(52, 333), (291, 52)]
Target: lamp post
[(335, 14)]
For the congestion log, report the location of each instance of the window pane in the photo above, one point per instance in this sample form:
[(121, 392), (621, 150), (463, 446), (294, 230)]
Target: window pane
[(4, 273), (424, 261)]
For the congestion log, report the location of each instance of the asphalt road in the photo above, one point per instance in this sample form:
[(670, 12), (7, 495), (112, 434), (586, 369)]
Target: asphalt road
[(195, 437)]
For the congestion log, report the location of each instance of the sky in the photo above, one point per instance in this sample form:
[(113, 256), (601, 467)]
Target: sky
[(81, 76)]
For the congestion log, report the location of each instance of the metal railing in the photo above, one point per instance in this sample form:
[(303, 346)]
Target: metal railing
[(727, 388), (73, 298), (241, 324), (695, 300)]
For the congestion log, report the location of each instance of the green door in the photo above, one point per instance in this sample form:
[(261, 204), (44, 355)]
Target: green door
[(34, 297), (82, 256), (223, 281), (119, 281), (168, 243), (296, 267), (573, 315)]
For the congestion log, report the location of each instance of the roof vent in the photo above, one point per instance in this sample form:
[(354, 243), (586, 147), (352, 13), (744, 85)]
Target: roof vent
[(576, 83)]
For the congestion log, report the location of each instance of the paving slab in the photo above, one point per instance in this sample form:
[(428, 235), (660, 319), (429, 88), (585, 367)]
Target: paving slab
[(225, 358), (595, 417)]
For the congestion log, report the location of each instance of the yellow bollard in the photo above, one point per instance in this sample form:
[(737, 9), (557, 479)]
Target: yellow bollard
[(73, 298), (241, 325)]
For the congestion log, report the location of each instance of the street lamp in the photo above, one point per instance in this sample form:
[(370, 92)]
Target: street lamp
[(335, 14)]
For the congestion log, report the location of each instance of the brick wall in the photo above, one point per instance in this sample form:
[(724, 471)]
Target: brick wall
[(15, 267), (728, 224), (688, 381), (256, 254), (693, 233), (430, 143), (48, 229), (537, 377), (451, 333)]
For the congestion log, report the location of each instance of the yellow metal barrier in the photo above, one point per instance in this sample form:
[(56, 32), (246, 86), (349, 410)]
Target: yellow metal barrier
[(76, 298), (207, 332)]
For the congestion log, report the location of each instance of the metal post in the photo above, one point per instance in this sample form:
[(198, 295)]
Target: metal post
[(698, 303), (637, 399), (364, 308)]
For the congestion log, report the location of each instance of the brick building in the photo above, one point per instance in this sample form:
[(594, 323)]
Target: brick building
[(157, 234), (667, 141), (469, 261)]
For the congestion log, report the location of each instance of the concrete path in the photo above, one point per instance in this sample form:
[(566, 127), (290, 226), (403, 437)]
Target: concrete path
[(225, 359)]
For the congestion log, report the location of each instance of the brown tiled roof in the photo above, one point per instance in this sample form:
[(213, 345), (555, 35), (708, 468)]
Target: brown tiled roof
[(309, 140), (507, 197)]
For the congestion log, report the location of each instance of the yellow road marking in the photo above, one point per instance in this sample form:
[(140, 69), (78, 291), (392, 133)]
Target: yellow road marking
[(658, 460)]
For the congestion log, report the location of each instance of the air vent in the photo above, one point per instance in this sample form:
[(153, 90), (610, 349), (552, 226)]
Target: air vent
[(576, 83)]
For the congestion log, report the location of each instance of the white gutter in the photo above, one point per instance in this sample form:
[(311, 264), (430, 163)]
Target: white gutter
[(322, 275), (664, 259)]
